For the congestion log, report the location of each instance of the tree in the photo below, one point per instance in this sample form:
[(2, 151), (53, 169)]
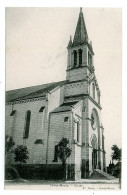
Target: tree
[(116, 154), (10, 172), (21, 154), (9, 143), (64, 151)]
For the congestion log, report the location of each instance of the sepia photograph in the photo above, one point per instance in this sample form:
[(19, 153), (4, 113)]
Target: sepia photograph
[(63, 112)]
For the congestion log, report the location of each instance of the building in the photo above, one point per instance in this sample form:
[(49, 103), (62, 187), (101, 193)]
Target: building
[(40, 116)]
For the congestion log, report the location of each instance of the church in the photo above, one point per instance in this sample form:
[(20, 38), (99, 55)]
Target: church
[(39, 116)]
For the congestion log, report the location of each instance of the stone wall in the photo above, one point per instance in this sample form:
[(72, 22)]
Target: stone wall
[(76, 88)]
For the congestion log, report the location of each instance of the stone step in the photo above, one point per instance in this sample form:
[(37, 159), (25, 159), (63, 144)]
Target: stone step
[(108, 176), (97, 176)]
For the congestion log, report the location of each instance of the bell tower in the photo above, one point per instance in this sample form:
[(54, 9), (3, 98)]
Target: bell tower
[(80, 53), (82, 85)]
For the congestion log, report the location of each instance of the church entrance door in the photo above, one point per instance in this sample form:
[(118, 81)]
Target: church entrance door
[(94, 158)]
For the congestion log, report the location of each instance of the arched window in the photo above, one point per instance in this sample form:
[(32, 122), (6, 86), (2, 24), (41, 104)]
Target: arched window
[(75, 58), (93, 90), (80, 57), (13, 112), (89, 59), (27, 124), (13, 120), (41, 109)]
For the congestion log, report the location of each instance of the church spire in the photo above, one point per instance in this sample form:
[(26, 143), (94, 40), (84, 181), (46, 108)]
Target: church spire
[(81, 35)]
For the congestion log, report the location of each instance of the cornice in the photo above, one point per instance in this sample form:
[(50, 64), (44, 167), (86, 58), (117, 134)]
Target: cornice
[(82, 96), (81, 45), (25, 101), (77, 81), (75, 68)]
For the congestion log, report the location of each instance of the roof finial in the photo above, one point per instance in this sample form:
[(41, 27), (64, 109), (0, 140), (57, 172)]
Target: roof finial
[(70, 42), (80, 9)]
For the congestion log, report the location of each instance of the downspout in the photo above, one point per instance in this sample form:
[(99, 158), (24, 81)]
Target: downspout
[(47, 142), (11, 133), (46, 156), (71, 140), (13, 105), (85, 121)]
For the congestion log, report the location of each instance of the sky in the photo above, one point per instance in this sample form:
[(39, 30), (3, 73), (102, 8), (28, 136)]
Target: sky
[(36, 53)]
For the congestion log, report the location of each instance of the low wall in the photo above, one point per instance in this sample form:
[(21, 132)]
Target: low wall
[(40, 171)]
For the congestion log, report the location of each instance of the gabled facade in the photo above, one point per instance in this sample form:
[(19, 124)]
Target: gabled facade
[(40, 116)]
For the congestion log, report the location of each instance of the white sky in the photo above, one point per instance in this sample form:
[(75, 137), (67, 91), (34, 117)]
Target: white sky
[(36, 41)]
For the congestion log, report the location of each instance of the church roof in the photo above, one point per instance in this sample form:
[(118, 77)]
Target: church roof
[(81, 35), (31, 92), (64, 107)]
